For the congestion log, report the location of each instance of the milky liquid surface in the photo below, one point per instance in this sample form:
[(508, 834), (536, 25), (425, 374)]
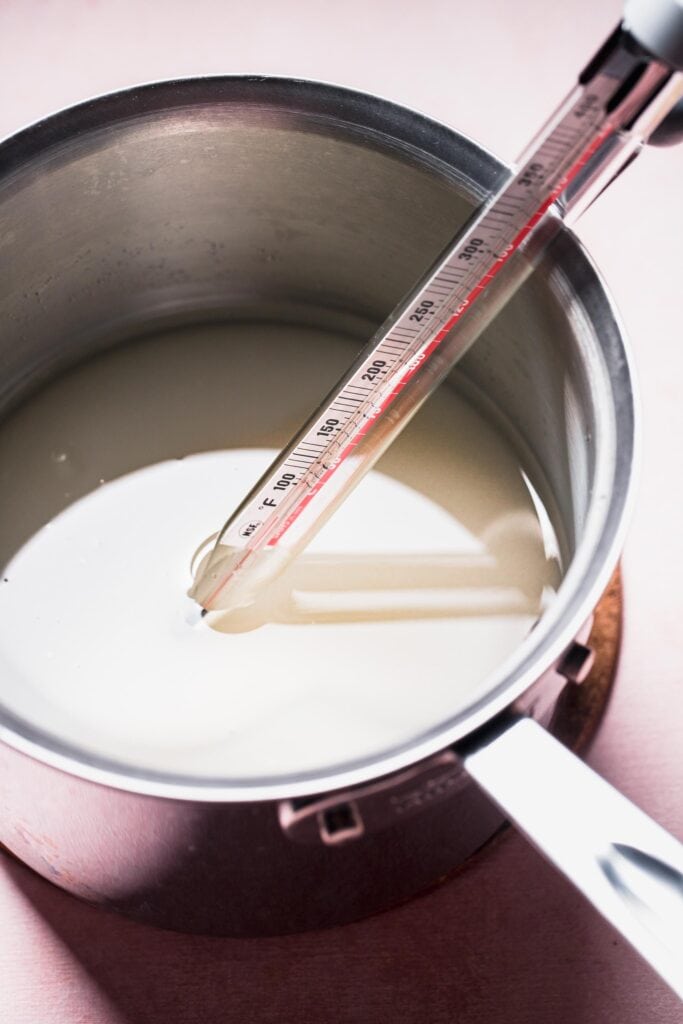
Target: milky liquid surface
[(386, 626)]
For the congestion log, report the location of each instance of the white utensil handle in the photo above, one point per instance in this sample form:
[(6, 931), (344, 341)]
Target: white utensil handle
[(629, 867)]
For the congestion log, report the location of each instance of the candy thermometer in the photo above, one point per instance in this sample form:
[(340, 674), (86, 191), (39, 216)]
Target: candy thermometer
[(621, 97)]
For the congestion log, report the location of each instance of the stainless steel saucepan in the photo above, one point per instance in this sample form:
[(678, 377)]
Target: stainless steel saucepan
[(210, 171)]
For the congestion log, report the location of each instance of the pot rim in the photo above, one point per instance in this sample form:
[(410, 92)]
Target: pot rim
[(601, 544)]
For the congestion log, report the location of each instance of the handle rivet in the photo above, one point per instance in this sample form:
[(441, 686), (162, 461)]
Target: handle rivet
[(577, 663)]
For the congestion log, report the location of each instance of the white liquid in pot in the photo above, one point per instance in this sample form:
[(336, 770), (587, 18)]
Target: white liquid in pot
[(427, 578)]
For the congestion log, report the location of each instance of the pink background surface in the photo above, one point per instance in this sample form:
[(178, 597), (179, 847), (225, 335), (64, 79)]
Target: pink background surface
[(508, 939)]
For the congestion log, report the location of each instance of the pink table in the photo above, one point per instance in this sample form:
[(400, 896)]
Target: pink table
[(506, 940)]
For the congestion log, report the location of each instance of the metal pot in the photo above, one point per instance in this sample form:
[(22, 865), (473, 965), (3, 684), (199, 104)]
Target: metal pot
[(359, 196)]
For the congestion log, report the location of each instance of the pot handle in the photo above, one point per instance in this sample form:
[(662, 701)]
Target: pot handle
[(625, 864)]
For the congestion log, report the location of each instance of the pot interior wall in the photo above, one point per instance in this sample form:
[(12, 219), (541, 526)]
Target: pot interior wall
[(192, 210)]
